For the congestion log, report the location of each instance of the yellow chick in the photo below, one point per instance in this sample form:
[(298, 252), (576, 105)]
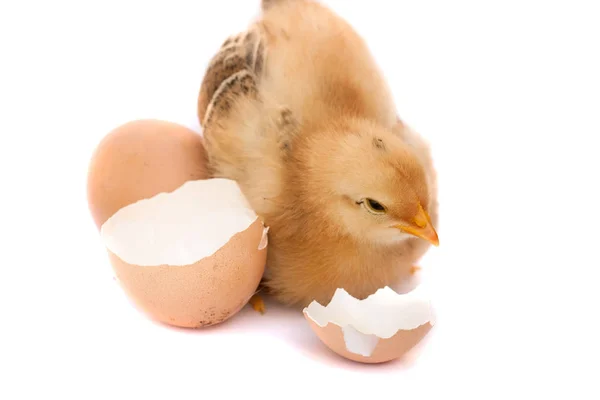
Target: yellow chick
[(296, 111)]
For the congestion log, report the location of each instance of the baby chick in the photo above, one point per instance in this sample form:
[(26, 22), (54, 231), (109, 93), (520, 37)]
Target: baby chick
[(296, 111)]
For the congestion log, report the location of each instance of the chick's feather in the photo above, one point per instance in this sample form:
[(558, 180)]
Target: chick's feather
[(296, 111)]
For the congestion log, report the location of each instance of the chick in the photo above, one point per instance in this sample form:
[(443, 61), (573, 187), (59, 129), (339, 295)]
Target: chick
[(296, 111)]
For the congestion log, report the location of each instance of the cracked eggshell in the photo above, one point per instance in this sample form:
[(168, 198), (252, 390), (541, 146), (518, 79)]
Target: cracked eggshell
[(189, 258), (383, 327)]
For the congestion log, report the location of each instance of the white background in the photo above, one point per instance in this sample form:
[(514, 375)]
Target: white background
[(508, 94)]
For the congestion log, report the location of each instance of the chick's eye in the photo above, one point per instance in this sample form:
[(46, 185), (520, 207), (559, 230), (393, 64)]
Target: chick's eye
[(374, 206)]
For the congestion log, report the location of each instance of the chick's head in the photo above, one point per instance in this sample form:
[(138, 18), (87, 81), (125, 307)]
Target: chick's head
[(371, 185)]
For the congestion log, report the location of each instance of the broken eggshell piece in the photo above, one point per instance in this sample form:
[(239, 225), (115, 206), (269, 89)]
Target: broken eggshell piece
[(382, 327), (192, 257)]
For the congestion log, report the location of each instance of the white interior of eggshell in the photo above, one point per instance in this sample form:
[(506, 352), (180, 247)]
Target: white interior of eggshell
[(264, 241), (179, 227), (379, 316)]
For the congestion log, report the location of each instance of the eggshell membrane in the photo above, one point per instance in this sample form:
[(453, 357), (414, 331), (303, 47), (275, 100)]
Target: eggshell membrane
[(205, 293), (385, 350), (140, 159)]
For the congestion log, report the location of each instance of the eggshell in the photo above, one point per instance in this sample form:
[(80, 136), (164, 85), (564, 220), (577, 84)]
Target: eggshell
[(205, 293), (192, 257), (140, 159), (381, 328), (386, 350)]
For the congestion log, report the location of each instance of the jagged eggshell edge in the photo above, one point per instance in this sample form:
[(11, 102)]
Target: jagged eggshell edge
[(180, 227)]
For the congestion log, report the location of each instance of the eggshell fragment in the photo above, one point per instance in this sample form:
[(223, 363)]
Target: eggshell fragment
[(192, 257), (383, 327)]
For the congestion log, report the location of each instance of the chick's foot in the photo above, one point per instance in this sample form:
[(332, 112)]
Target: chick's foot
[(257, 303)]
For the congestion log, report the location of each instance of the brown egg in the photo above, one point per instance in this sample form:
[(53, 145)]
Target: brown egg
[(187, 250), (383, 327), (140, 159)]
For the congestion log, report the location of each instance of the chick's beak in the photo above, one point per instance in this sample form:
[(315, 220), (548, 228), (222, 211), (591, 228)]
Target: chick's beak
[(421, 227)]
